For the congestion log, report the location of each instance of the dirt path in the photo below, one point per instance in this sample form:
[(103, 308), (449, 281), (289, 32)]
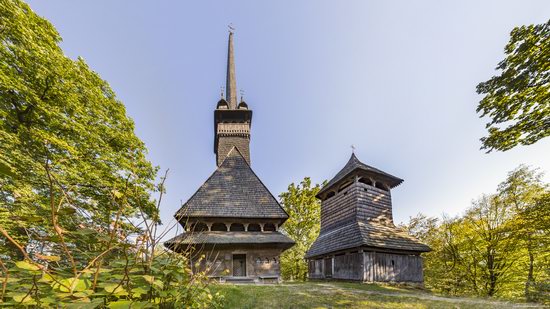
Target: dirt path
[(328, 287)]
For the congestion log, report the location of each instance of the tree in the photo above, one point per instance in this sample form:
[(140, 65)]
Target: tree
[(303, 225), (487, 227), (524, 191), (498, 247), (66, 144), (518, 100)]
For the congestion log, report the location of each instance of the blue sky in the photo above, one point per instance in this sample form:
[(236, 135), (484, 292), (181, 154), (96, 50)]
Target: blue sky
[(395, 78)]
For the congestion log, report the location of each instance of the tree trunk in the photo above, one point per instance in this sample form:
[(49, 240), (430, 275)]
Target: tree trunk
[(530, 279)]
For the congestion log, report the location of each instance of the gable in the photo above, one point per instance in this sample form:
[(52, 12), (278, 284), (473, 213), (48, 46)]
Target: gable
[(233, 190)]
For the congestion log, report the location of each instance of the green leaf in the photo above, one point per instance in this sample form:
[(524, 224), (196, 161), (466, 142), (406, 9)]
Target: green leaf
[(22, 297), (26, 265), (71, 285), (159, 284), (120, 304), (86, 305), (149, 279), (117, 193), (139, 291), (66, 211), (115, 289), (6, 170), (49, 258)]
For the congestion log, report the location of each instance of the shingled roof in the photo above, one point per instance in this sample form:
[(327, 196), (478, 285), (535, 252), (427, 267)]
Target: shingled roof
[(233, 190), (230, 238), (353, 165), (359, 234)]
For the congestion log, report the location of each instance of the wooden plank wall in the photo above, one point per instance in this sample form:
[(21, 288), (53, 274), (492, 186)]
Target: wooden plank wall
[(385, 267), (373, 204), (339, 209), (348, 266), (369, 267), (315, 269)]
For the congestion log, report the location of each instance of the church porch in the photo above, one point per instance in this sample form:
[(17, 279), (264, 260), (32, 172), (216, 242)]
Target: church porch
[(240, 264)]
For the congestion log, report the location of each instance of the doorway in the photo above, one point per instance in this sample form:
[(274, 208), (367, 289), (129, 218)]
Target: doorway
[(239, 265)]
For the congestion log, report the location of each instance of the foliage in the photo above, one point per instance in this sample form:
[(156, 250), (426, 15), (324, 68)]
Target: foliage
[(302, 226), (518, 100), (78, 225), (60, 125), (132, 269), (498, 247)]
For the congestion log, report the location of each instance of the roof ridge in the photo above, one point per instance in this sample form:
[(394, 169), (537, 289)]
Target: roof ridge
[(233, 190)]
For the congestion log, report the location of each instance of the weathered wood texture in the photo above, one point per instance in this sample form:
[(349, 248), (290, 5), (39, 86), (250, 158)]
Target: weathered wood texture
[(373, 204), (259, 263), (348, 266), (359, 202), (368, 267), (385, 267), (316, 269), (357, 226), (328, 267), (339, 209), (225, 143)]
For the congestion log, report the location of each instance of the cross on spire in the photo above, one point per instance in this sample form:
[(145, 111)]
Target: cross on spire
[(352, 148)]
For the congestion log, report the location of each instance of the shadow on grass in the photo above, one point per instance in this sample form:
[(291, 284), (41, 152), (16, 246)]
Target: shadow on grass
[(335, 295)]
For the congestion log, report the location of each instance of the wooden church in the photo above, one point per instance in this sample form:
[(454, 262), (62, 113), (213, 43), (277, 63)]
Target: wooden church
[(233, 220), (358, 239)]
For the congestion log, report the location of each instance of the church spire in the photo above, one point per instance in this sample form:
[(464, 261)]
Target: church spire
[(231, 82)]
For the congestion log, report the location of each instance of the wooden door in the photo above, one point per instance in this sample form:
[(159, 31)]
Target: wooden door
[(328, 267), (239, 265)]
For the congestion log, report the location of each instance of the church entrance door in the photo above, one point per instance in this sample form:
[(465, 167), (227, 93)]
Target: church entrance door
[(239, 265)]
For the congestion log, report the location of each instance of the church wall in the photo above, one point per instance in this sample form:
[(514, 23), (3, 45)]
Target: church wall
[(259, 262), (316, 269), (368, 267), (388, 267), (225, 143), (339, 209), (348, 266), (373, 204)]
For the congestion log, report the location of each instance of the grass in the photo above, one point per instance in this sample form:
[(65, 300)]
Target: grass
[(344, 295)]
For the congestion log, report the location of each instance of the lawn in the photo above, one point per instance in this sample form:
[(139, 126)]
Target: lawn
[(345, 295)]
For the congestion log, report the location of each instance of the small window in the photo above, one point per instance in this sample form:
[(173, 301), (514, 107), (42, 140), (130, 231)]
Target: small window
[(342, 187), (236, 227), (253, 227), (366, 181), (331, 194), (392, 263), (220, 227), (199, 227), (269, 227), (381, 186)]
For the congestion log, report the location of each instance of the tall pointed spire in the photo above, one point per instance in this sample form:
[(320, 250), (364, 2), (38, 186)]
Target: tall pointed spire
[(231, 82)]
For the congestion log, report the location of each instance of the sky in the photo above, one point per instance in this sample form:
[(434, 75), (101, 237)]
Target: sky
[(394, 78)]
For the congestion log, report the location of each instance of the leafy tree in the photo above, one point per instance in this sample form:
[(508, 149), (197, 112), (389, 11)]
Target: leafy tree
[(303, 225), (518, 100), (498, 247), (66, 144), (132, 270), (487, 228), (523, 191)]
